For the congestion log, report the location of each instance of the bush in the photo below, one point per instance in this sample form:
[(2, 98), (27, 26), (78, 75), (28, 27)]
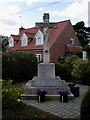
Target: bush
[(18, 66), (88, 50), (71, 59), (11, 96), (85, 107), (81, 71), (63, 70)]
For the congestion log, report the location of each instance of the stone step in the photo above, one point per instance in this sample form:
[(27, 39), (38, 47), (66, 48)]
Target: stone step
[(47, 96)]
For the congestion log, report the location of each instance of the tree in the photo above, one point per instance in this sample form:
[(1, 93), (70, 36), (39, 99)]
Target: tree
[(82, 33), (4, 43), (88, 50)]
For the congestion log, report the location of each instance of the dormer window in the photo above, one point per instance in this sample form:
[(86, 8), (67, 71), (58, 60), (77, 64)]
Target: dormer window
[(11, 42), (72, 41), (39, 38), (24, 39)]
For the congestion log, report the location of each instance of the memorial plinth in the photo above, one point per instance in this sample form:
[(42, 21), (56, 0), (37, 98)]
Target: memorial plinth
[(46, 80)]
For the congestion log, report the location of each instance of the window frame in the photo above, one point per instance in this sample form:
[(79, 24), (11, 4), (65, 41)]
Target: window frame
[(39, 38), (24, 39), (72, 41), (38, 56), (11, 42)]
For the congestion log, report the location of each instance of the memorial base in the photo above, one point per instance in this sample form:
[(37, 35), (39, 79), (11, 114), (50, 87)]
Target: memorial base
[(47, 81)]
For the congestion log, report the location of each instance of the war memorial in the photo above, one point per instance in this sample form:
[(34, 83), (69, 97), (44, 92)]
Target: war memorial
[(46, 79)]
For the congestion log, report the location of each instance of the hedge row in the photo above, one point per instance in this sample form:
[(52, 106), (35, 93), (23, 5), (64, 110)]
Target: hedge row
[(74, 68), (22, 66), (63, 71), (18, 66), (85, 107)]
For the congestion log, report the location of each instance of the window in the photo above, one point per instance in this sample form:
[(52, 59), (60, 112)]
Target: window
[(39, 41), (39, 38), (72, 41), (11, 42), (38, 57), (24, 40), (84, 55)]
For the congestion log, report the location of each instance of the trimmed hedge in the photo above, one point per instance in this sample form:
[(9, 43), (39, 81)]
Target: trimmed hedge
[(63, 70), (85, 107), (18, 66), (22, 66)]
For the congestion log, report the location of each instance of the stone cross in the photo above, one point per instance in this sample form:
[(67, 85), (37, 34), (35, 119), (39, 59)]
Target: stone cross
[(46, 25)]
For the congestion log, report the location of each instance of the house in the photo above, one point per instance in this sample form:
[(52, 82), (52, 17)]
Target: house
[(63, 41)]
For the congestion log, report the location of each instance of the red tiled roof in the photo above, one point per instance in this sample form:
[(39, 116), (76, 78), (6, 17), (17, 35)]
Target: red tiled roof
[(31, 32), (29, 35), (16, 37), (55, 32), (75, 49)]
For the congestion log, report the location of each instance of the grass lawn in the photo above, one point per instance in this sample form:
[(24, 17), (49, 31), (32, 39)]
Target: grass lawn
[(28, 113)]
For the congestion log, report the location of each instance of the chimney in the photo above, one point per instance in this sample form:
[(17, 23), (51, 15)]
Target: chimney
[(21, 29)]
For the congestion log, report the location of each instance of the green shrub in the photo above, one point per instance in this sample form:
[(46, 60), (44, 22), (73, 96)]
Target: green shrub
[(81, 71), (85, 107), (18, 66), (71, 59), (63, 70), (87, 47), (65, 67), (11, 96)]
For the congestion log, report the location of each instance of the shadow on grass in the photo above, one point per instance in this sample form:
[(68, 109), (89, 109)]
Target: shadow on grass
[(28, 113)]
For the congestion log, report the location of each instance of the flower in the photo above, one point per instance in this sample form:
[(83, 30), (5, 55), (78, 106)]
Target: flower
[(19, 100), (10, 89), (1, 80), (6, 90)]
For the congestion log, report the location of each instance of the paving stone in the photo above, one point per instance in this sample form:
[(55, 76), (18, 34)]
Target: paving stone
[(70, 109)]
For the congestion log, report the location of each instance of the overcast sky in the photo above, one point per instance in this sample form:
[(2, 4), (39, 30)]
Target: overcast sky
[(14, 14)]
